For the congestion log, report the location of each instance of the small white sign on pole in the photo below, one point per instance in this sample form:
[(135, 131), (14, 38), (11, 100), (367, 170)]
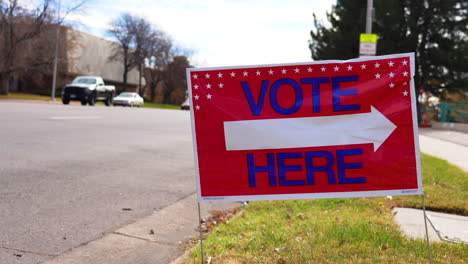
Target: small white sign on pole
[(367, 45)]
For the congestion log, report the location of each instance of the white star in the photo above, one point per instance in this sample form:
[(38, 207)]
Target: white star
[(391, 75), (377, 65), (195, 76), (405, 62), (258, 72), (392, 85), (220, 75), (208, 86), (336, 68), (405, 73), (350, 67), (196, 97), (390, 64), (245, 73), (221, 85), (363, 66), (197, 107), (377, 76), (283, 71), (309, 69), (207, 76), (405, 83), (296, 70), (233, 74), (196, 86), (405, 93), (323, 69), (208, 96), (271, 72)]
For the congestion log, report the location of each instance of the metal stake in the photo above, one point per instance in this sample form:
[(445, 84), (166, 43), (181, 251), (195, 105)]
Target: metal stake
[(427, 231), (201, 234)]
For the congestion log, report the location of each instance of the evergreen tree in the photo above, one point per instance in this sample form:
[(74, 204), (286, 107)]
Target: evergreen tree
[(436, 30)]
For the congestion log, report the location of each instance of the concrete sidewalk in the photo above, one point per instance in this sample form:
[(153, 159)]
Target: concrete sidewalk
[(441, 227), (153, 239), (453, 147), (449, 145)]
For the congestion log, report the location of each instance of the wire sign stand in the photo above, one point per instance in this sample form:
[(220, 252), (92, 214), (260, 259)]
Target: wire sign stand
[(200, 224), (427, 231)]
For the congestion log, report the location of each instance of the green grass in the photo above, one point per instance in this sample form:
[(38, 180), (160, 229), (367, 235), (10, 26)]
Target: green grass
[(25, 96), (359, 230), (445, 186), (163, 106)]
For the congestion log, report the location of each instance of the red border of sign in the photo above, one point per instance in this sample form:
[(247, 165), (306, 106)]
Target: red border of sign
[(417, 191)]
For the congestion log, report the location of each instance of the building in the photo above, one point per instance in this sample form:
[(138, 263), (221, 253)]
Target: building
[(90, 55), (79, 53)]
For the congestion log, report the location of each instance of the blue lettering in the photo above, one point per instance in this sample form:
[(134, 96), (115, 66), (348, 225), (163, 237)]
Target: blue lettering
[(282, 168), (342, 166), (256, 108), (270, 168), (337, 93), (315, 90), (274, 97), (311, 169)]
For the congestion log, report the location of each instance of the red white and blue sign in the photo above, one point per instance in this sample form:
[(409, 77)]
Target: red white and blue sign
[(323, 129)]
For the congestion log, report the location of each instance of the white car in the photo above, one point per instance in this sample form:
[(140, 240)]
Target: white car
[(130, 99), (185, 105)]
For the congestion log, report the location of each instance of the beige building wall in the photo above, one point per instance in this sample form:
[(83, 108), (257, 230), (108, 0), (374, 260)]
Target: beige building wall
[(90, 56)]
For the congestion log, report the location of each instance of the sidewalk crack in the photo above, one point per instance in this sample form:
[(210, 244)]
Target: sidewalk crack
[(145, 239), (29, 252)]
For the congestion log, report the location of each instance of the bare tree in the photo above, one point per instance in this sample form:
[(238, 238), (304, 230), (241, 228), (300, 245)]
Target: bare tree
[(20, 30), (18, 25), (140, 44), (134, 36), (160, 55), (175, 82), (121, 29)]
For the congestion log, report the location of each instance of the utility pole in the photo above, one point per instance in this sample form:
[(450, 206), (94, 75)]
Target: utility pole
[(370, 7), (368, 41), (54, 78)]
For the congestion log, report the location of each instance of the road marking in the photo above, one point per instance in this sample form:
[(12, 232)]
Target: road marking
[(74, 117)]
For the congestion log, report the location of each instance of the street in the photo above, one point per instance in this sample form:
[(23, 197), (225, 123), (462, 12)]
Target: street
[(78, 177), (71, 173)]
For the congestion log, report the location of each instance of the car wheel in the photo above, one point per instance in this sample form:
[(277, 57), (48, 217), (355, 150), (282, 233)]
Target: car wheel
[(84, 102), (108, 101), (92, 100), (65, 101)]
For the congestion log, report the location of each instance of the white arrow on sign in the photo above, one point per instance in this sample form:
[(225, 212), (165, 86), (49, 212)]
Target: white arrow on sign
[(303, 132)]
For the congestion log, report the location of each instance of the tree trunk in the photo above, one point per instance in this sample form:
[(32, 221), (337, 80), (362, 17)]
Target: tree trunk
[(125, 80), (153, 91), (4, 84), (140, 89)]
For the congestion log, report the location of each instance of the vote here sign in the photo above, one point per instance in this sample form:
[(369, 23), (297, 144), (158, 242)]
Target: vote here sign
[(322, 129)]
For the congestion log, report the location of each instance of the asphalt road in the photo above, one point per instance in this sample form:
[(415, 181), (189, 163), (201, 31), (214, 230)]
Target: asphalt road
[(71, 173)]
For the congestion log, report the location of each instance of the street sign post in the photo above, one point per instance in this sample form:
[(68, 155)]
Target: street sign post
[(322, 129)]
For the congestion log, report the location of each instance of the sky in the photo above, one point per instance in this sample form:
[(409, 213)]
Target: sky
[(219, 32)]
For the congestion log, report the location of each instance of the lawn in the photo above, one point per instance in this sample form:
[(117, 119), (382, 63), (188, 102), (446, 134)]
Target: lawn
[(24, 96), (359, 230)]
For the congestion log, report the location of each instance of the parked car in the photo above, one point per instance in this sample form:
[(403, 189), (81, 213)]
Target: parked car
[(128, 99), (88, 90), (185, 105)]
